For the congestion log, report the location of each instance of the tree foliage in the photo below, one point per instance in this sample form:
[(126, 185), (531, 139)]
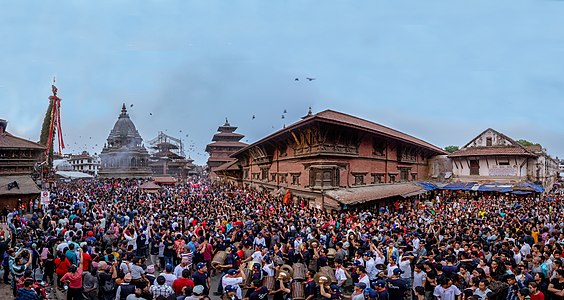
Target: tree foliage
[(523, 142), (451, 149)]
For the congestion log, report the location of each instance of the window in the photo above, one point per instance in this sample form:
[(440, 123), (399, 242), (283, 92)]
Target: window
[(256, 176), (377, 178), (392, 178), (246, 173), (404, 174), (378, 147), (413, 176), (474, 167), (283, 150), (264, 174), (358, 179), (282, 177), (503, 163), (273, 177), (488, 141), (296, 179), (327, 176)]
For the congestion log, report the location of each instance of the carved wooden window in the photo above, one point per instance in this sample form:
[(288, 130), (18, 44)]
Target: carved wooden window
[(377, 178), (282, 177), (378, 147), (404, 174), (264, 174), (413, 176), (296, 179), (324, 177), (246, 173), (273, 177), (256, 176), (392, 178), (358, 178)]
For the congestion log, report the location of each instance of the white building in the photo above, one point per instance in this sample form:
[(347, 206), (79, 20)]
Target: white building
[(495, 157), (85, 163)]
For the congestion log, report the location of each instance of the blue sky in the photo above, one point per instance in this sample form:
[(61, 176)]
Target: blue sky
[(440, 70)]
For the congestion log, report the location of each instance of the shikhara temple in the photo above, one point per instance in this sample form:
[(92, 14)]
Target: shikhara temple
[(124, 155)]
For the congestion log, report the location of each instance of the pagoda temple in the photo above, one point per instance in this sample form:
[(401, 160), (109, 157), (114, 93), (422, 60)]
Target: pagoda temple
[(225, 143), (18, 157), (169, 158), (124, 156)]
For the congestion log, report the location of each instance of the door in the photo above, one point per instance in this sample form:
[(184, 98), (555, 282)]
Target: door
[(474, 167)]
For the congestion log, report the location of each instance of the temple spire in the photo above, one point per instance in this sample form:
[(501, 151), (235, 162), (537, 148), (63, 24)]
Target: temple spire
[(123, 110)]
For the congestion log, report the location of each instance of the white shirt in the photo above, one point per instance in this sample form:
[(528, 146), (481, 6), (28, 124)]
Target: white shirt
[(170, 278), (405, 266), (178, 270), (234, 282), (340, 275), (365, 279), (257, 256), (269, 269), (418, 279), (371, 269), (449, 293)]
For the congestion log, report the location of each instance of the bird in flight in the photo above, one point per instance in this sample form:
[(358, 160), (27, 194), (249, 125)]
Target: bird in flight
[(296, 79), (253, 117), (310, 79), (285, 112), (150, 114), (282, 116), (131, 105)]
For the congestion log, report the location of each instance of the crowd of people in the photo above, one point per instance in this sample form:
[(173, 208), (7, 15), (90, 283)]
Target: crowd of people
[(108, 239)]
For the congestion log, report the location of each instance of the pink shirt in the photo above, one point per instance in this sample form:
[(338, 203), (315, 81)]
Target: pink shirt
[(75, 279)]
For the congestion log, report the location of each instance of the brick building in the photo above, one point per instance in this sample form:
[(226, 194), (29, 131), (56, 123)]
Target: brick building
[(225, 143), (332, 159)]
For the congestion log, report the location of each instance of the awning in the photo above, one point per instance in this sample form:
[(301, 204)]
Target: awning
[(73, 175), (460, 186), (496, 187), (521, 193), (363, 194), (149, 185), (529, 186), (20, 185), (428, 186)]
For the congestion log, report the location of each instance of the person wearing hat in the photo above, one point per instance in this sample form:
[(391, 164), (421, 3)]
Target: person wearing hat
[(198, 291), (381, 289), (169, 275), (370, 265), (358, 293), (234, 277), (331, 292), (201, 277), (397, 286), (231, 293)]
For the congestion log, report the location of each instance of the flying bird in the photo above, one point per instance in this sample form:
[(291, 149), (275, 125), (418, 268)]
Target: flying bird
[(253, 117), (296, 79), (285, 112), (150, 114), (310, 79), (282, 116), (131, 105)]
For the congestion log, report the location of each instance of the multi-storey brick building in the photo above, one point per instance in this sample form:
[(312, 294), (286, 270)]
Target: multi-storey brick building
[(225, 143), (333, 159)]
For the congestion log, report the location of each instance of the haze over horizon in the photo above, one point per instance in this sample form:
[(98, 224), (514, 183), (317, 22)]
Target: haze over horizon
[(442, 71)]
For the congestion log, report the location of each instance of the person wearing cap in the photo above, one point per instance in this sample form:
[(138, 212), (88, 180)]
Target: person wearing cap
[(230, 293), (182, 281), (358, 292), (201, 277), (370, 265), (331, 292), (234, 277), (397, 286), (381, 289), (198, 291), (125, 289), (169, 275)]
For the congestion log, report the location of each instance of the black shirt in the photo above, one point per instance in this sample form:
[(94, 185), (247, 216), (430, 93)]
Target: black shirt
[(311, 289), (200, 279), (259, 294)]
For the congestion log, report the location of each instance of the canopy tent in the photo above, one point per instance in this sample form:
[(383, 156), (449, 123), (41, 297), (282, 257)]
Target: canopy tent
[(529, 186), (499, 187), (496, 187), (428, 186), (460, 186), (73, 175)]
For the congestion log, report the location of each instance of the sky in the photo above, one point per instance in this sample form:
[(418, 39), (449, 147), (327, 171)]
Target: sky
[(442, 71)]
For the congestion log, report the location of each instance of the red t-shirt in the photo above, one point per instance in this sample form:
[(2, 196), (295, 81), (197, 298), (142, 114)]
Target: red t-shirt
[(179, 283), (87, 260), (539, 296), (75, 279), (62, 267)]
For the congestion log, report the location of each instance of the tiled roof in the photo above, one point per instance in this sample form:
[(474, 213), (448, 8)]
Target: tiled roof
[(25, 184), (9, 141), (342, 119), (491, 151), (164, 179), (227, 144), (228, 166), (363, 194)]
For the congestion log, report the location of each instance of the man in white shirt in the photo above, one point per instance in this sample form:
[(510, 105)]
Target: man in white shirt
[(340, 273), (370, 265), (419, 277), (234, 278), (447, 291)]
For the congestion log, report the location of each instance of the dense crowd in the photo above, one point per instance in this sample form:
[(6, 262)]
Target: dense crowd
[(106, 239)]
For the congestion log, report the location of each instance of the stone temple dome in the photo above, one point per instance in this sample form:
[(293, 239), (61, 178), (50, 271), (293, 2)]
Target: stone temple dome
[(124, 155)]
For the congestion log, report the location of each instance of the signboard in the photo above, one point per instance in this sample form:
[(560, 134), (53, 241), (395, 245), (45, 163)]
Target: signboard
[(503, 171), (45, 198)]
